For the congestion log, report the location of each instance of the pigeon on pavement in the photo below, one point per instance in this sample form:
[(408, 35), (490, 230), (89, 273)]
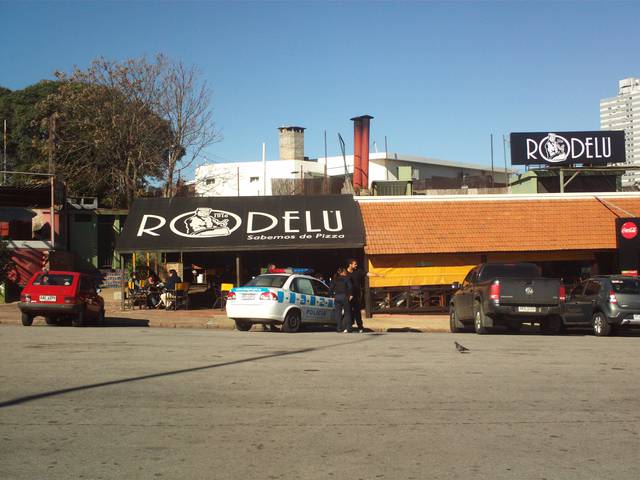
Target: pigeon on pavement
[(461, 348)]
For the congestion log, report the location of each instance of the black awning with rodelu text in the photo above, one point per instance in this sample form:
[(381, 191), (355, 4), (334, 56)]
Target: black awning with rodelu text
[(242, 223)]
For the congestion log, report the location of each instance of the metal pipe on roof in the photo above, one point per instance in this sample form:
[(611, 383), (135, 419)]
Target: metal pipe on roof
[(357, 152), (364, 150)]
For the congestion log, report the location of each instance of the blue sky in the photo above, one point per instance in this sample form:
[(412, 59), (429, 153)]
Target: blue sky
[(439, 78)]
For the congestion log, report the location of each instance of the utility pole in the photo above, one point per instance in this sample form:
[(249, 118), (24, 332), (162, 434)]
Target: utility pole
[(51, 141), (264, 169), (4, 153), (492, 171), (504, 154), (325, 186)]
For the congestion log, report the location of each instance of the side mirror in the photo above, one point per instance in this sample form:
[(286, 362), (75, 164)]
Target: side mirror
[(98, 290)]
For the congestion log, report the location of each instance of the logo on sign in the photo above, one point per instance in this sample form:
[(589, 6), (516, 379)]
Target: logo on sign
[(552, 148), (629, 230), (205, 223), (528, 290)]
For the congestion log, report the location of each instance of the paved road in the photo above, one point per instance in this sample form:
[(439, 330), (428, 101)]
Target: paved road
[(174, 403)]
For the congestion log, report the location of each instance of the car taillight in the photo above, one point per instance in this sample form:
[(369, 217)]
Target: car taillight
[(268, 296), (25, 298), (231, 296), (612, 297), (494, 292), (70, 300), (562, 293)]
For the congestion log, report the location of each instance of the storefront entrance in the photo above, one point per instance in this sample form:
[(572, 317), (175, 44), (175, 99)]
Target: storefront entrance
[(216, 241)]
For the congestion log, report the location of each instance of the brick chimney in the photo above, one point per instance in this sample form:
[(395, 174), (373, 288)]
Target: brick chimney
[(291, 143)]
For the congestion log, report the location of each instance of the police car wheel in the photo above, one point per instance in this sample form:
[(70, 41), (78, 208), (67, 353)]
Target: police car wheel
[(243, 325), (292, 322)]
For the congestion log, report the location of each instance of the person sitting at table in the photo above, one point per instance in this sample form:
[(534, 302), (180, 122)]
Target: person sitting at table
[(170, 289), (153, 290)]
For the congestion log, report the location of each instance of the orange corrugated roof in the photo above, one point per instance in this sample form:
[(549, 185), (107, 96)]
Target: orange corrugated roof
[(456, 226)]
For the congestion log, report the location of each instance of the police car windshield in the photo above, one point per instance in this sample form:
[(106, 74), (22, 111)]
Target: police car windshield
[(276, 281)]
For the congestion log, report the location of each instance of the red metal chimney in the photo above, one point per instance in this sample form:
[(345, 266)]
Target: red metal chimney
[(357, 152), (361, 151)]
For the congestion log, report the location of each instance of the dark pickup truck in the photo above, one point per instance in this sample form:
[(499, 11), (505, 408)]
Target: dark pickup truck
[(509, 295)]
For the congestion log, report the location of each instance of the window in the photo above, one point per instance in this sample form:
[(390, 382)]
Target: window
[(302, 285), (626, 286), (514, 270), (320, 289), (210, 181), (577, 291), (253, 179), (592, 288), (56, 280), (276, 281), (470, 278)]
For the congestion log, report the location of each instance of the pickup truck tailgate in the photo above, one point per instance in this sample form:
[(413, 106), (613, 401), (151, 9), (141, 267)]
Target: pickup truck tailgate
[(539, 291)]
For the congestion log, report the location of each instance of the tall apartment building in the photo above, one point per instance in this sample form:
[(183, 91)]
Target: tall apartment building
[(623, 113)]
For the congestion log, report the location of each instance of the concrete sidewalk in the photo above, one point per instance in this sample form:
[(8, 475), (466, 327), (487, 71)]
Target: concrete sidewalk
[(208, 318)]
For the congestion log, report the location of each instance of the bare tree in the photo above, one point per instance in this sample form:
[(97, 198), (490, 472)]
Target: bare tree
[(123, 124), (185, 102), (109, 141)]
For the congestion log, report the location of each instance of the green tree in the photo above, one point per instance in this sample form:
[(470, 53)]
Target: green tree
[(20, 110)]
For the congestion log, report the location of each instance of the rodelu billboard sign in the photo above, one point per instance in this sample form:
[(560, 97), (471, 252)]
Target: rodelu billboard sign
[(566, 148)]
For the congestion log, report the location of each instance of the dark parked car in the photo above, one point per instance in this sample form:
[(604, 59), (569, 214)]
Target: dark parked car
[(604, 303), (507, 294)]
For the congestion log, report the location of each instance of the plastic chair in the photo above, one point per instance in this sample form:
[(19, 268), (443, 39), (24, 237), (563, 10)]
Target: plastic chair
[(181, 296), (225, 288)]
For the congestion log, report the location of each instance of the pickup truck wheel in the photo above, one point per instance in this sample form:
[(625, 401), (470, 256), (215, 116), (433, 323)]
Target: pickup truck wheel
[(78, 320), (51, 320), (243, 325), (454, 324), (601, 327), (478, 319), (27, 319), (292, 322)]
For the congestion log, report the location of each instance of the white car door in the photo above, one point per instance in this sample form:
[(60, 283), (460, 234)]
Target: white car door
[(303, 288), (323, 301)]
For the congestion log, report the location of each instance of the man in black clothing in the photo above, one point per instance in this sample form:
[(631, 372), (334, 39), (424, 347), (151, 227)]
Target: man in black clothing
[(357, 282), (342, 294)]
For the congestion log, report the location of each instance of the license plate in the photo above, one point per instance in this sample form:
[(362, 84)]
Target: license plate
[(247, 296), (47, 298), (636, 316), (527, 309)]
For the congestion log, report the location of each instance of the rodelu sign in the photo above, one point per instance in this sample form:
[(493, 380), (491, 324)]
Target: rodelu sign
[(598, 147), (207, 222), (242, 223)]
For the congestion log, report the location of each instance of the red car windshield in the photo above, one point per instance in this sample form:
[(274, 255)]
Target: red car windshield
[(53, 280)]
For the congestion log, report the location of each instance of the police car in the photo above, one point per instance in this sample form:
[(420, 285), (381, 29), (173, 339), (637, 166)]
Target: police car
[(290, 300)]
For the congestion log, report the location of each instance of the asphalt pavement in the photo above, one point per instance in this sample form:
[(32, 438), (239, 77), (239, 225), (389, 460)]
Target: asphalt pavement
[(131, 402)]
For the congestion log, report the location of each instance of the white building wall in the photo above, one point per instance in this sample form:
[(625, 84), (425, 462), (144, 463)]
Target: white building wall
[(247, 178), (221, 179)]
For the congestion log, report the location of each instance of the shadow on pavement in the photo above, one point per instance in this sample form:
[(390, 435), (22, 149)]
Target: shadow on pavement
[(123, 322), (403, 330), (63, 391)]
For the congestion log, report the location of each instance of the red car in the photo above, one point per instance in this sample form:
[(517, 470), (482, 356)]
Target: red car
[(57, 295)]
